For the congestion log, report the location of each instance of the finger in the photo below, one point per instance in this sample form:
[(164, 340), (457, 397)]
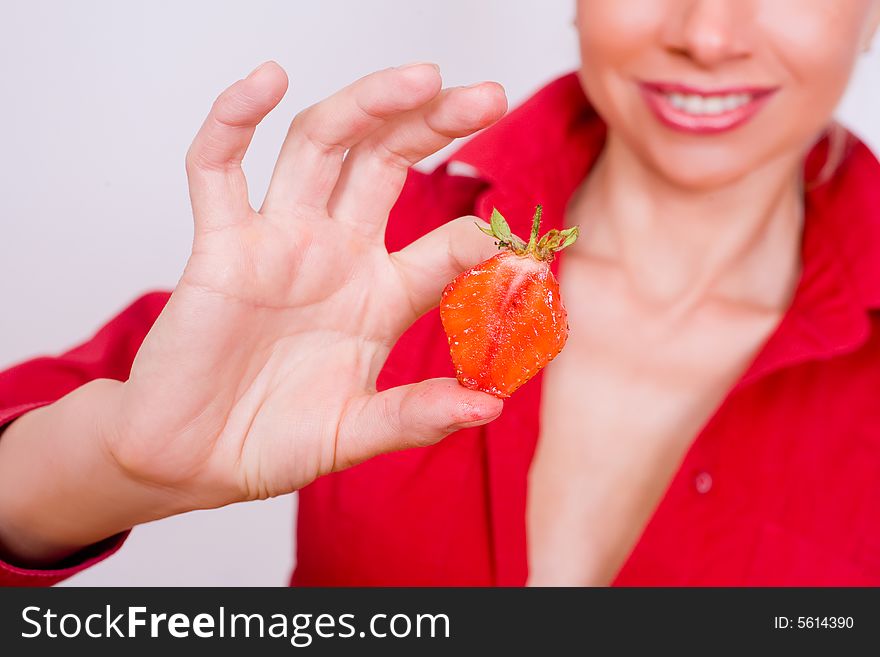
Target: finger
[(427, 265), (413, 415), (375, 169), (218, 189), (311, 156)]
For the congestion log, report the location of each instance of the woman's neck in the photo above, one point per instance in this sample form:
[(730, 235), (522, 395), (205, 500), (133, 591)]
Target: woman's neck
[(680, 247)]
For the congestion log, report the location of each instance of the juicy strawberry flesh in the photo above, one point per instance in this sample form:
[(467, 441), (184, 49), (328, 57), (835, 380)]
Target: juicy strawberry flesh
[(505, 321)]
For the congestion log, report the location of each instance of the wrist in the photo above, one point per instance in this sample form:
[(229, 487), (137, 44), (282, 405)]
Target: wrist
[(60, 488)]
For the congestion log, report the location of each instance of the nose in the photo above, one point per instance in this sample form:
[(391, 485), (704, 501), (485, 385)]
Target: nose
[(710, 32)]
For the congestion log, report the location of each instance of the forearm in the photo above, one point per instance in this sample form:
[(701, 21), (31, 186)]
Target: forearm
[(60, 489)]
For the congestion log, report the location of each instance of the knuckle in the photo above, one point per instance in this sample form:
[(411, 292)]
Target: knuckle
[(466, 245), (194, 159), (233, 108), (421, 433), (389, 415), (368, 107), (190, 160), (392, 157), (306, 125), (198, 160), (466, 223), (195, 164)]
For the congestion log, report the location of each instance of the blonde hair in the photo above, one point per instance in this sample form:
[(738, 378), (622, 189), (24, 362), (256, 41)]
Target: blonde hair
[(833, 145)]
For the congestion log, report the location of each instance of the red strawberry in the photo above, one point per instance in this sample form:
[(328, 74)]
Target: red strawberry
[(504, 318)]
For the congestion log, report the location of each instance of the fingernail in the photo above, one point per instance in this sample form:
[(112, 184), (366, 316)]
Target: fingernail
[(414, 64), (473, 423), (469, 425), (260, 67)]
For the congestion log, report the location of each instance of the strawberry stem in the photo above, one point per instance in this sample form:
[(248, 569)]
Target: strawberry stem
[(540, 249), (536, 228)]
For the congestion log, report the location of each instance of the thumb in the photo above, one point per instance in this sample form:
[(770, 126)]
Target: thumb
[(429, 263), (407, 416)]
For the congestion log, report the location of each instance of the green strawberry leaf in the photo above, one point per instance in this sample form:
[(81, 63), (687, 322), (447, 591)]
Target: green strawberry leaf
[(500, 229), (569, 236)]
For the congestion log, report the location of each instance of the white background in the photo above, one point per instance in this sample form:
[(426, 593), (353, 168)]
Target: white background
[(100, 100)]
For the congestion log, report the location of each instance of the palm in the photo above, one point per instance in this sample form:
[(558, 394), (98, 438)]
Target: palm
[(259, 375), (312, 315)]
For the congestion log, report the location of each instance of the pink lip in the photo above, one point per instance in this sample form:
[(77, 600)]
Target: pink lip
[(655, 95)]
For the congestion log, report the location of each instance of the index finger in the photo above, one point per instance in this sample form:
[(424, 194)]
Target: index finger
[(311, 157)]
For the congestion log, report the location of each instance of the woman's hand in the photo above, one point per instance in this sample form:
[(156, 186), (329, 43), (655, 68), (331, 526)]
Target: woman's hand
[(259, 375)]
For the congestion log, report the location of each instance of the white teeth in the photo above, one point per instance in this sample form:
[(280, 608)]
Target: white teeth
[(699, 105), (693, 104), (713, 105), (676, 100)]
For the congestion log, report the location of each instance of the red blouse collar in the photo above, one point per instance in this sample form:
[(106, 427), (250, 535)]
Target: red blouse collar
[(541, 152)]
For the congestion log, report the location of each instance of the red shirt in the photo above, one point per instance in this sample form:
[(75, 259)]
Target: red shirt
[(780, 487)]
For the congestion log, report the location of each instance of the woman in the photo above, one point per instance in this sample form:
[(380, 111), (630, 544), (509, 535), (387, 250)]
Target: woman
[(712, 420)]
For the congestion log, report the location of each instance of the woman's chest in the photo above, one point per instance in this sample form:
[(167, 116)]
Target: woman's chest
[(619, 409)]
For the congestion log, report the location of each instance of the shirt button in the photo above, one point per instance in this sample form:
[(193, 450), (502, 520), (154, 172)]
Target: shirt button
[(703, 482)]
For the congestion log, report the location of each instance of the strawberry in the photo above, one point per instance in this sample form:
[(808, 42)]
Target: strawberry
[(504, 318)]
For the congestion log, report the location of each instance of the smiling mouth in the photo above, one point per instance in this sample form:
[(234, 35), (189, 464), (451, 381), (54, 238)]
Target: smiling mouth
[(697, 111)]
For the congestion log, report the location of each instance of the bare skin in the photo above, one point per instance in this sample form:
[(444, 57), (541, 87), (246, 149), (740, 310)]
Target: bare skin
[(689, 255), (260, 374), (648, 360)]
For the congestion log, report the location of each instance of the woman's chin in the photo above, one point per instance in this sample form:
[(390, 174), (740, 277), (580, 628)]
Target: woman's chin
[(696, 173)]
